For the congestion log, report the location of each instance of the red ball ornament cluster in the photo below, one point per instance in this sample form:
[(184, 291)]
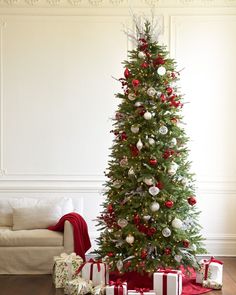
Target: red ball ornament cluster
[(153, 162), (186, 243), (127, 73), (135, 82), (169, 204), (192, 200)]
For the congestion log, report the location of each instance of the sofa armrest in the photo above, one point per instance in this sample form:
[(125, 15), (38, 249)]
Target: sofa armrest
[(68, 237)]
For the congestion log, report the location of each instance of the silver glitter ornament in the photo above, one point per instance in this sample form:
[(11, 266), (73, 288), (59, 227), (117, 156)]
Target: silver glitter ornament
[(166, 232)]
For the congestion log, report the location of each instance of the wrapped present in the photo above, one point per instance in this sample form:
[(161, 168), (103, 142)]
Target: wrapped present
[(167, 282), (78, 286), (65, 267), (96, 271), (141, 291), (210, 273), (116, 288), (99, 290)]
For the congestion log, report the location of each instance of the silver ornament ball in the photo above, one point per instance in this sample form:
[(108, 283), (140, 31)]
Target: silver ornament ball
[(166, 232)]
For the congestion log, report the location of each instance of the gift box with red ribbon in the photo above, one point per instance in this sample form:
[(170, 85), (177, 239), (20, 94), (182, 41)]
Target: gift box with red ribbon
[(96, 271), (117, 287), (167, 282), (141, 291), (210, 273)]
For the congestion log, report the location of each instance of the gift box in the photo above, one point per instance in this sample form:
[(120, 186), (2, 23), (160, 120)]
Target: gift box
[(167, 282), (116, 288), (78, 286), (96, 271), (99, 290), (210, 273), (65, 268), (141, 291)]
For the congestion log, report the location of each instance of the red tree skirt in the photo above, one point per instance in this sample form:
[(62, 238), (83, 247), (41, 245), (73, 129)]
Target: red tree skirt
[(136, 280)]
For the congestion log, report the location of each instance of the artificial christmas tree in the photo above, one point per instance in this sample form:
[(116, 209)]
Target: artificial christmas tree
[(149, 218)]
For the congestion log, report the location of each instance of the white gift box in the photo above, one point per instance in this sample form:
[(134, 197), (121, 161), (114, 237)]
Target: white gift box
[(211, 271), (167, 282), (95, 271), (116, 288), (141, 291)]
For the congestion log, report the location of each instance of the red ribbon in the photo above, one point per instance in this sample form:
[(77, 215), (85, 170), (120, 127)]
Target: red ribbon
[(92, 262), (164, 279), (142, 290), (118, 286), (207, 264)]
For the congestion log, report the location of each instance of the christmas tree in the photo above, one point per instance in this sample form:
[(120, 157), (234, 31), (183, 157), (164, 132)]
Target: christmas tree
[(149, 218)]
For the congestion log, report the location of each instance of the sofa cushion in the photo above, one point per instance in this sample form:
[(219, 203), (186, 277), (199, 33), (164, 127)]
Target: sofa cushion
[(35, 237)]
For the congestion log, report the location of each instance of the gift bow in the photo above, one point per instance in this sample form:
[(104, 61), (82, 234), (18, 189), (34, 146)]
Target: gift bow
[(142, 290), (207, 264), (92, 261), (164, 279), (118, 282), (65, 257)]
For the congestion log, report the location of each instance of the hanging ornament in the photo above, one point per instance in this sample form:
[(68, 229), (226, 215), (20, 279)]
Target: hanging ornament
[(153, 190), (155, 207), (110, 254), (127, 73), (169, 204), (131, 172), (136, 219), (148, 181), (151, 91), (177, 223), (138, 104), (163, 130), (109, 208), (131, 96), (146, 217), (144, 65), (166, 232), (173, 168), (129, 239), (178, 258), (147, 115), (151, 141), (122, 222), (135, 83), (192, 200), (124, 162), (134, 151), (141, 110), (161, 71), (139, 145), (160, 185), (167, 251), (163, 97), (158, 61), (169, 90), (186, 243), (144, 254), (134, 128), (119, 116), (127, 264), (117, 184), (123, 136), (119, 265), (141, 54), (173, 142), (153, 162)]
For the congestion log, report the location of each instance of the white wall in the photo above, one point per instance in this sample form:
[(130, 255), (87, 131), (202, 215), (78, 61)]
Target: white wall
[(57, 96)]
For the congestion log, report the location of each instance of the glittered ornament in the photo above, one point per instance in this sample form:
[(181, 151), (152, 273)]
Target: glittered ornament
[(160, 185), (134, 151), (186, 243), (151, 91), (192, 200), (129, 239), (158, 61), (166, 232), (138, 104), (110, 254), (131, 172), (161, 71), (127, 73), (141, 110), (134, 128), (124, 162), (144, 65), (162, 97), (155, 207), (169, 90), (178, 258), (141, 55), (117, 184), (146, 217), (163, 130), (153, 162), (147, 116), (173, 142), (122, 222), (148, 181), (139, 145), (119, 265), (123, 136), (153, 190), (144, 254), (131, 96), (109, 208), (167, 251), (177, 223), (169, 204), (151, 141), (136, 219), (135, 83)]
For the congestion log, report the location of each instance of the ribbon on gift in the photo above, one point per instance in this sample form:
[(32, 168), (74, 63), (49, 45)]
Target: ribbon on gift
[(67, 259), (118, 286), (164, 279), (207, 264), (92, 263), (142, 290)]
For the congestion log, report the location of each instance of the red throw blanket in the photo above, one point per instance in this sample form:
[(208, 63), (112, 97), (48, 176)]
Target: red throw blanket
[(81, 238)]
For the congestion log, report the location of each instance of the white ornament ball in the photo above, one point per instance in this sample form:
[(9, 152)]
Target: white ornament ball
[(161, 71), (151, 141), (153, 190), (131, 96), (138, 104), (139, 145), (148, 181), (163, 130), (134, 128), (117, 184), (147, 116), (130, 239), (173, 142), (177, 223), (141, 54), (178, 258), (166, 232), (122, 222), (131, 172), (119, 265), (155, 207), (151, 91), (146, 217)]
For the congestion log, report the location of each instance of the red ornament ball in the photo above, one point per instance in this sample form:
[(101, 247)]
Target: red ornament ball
[(135, 83), (158, 61), (144, 254), (163, 97), (136, 219), (134, 151), (141, 110), (110, 254), (144, 65), (153, 162), (192, 200), (110, 208), (167, 251), (160, 185), (127, 73), (186, 243), (169, 90), (123, 136), (169, 204), (127, 264)]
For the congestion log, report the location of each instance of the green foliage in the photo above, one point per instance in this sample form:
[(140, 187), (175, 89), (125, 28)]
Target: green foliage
[(161, 161)]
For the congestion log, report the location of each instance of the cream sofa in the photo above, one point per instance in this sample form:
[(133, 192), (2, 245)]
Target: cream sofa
[(30, 251)]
